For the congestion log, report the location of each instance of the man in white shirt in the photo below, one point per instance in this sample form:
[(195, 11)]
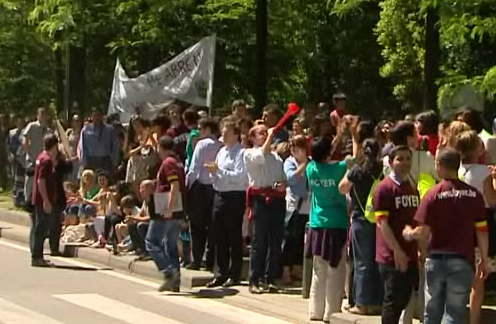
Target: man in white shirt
[(230, 182)]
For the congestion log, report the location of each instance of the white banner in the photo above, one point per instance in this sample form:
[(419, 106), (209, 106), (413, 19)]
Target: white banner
[(187, 77)]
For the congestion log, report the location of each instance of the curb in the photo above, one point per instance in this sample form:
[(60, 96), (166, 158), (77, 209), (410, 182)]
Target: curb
[(16, 225)]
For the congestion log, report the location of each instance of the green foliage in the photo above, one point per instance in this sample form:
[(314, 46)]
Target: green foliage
[(26, 61)]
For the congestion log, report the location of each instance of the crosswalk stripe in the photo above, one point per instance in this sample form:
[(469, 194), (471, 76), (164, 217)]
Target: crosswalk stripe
[(115, 309), (11, 313), (219, 309)]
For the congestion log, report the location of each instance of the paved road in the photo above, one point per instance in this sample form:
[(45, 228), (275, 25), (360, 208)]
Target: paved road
[(77, 293)]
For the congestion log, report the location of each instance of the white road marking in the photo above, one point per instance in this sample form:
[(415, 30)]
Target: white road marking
[(115, 309), (208, 306), (143, 282), (219, 309), (11, 313)]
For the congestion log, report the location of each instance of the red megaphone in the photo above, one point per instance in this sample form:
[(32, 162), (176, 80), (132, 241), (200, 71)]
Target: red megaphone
[(293, 109)]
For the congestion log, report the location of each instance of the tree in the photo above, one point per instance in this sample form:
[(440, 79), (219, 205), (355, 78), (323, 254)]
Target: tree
[(26, 61)]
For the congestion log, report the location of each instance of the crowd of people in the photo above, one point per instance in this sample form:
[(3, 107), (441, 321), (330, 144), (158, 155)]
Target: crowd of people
[(390, 208)]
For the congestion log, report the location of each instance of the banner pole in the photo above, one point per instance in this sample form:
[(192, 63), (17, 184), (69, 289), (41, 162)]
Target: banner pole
[(211, 81)]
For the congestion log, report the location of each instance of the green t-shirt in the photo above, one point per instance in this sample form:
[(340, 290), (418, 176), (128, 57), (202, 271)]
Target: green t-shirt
[(328, 208), (91, 193), (189, 145)]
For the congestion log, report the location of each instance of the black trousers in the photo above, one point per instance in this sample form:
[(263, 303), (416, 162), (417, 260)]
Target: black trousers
[(200, 202), (228, 211), (137, 232), (268, 234), (294, 240), (398, 288), (109, 230), (47, 223)]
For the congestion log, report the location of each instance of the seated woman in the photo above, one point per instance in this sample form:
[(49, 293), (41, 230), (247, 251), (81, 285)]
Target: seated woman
[(107, 209), (88, 190), (73, 202)]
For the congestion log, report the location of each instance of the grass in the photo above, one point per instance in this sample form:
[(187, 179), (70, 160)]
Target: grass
[(6, 199)]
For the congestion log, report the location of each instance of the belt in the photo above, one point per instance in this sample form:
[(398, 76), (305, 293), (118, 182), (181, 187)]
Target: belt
[(445, 256), (230, 193)]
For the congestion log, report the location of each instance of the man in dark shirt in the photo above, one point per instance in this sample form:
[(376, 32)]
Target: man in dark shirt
[(449, 217), (44, 197), (271, 116), (163, 231), (179, 132), (395, 204)]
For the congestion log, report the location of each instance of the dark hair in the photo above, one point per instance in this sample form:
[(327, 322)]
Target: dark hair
[(167, 143), (396, 149), (131, 133), (321, 149), (102, 173), (175, 107), (371, 156), (209, 123), (163, 121), (49, 141), (122, 188), (366, 130), (449, 158), (400, 133), (237, 103), (273, 109), (299, 141), (190, 116), (473, 119), (429, 121), (317, 123), (127, 202), (246, 121), (229, 123)]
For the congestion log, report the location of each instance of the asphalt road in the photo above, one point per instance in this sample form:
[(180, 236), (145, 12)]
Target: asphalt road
[(76, 292)]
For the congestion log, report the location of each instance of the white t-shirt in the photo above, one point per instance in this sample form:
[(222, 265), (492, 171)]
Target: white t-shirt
[(474, 175)]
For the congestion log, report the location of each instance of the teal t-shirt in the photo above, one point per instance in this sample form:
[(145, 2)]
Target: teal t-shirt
[(328, 209), (189, 145)]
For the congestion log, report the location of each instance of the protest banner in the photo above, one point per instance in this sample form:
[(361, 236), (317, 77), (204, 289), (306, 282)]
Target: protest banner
[(187, 77)]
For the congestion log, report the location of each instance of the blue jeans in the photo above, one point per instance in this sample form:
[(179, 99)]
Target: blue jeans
[(367, 284), (447, 289), (161, 243)]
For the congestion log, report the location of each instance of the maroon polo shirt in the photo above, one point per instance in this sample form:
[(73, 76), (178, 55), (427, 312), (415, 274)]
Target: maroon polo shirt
[(44, 169), (397, 203), (453, 210), (180, 135), (171, 170)]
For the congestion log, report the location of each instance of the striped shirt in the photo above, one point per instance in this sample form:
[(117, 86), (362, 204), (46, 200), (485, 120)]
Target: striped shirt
[(263, 171)]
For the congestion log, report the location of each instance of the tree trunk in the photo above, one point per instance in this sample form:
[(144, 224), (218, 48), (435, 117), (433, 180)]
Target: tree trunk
[(431, 59), (75, 94), (261, 50), (59, 79)]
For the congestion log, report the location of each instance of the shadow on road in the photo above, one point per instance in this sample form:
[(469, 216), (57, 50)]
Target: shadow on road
[(208, 293), (79, 268)]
